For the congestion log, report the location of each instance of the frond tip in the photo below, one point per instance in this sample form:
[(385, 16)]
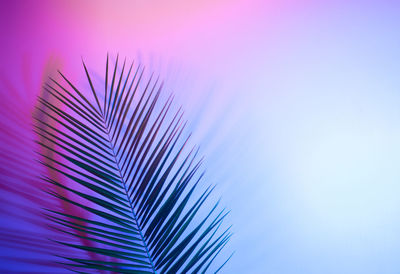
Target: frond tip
[(127, 185)]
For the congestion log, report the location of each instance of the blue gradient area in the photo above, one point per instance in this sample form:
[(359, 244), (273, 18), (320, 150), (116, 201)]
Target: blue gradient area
[(317, 188)]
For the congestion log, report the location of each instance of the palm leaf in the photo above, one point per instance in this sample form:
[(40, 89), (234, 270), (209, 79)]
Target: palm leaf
[(124, 163)]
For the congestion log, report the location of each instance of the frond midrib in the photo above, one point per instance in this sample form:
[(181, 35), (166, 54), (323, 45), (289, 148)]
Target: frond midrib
[(112, 147)]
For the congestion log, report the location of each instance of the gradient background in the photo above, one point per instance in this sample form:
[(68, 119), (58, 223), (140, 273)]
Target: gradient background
[(296, 105)]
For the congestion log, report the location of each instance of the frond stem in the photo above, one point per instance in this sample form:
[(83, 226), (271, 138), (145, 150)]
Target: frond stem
[(129, 199)]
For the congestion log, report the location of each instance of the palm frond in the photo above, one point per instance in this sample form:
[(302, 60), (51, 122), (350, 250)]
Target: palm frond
[(124, 163)]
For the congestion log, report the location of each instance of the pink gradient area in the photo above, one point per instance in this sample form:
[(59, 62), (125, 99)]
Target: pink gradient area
[(187, 31)]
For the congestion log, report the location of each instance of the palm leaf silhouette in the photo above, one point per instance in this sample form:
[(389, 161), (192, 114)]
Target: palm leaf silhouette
[(126, 169)]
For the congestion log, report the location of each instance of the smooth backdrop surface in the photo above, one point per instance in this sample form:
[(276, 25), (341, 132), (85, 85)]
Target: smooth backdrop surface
[(296, 105)]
